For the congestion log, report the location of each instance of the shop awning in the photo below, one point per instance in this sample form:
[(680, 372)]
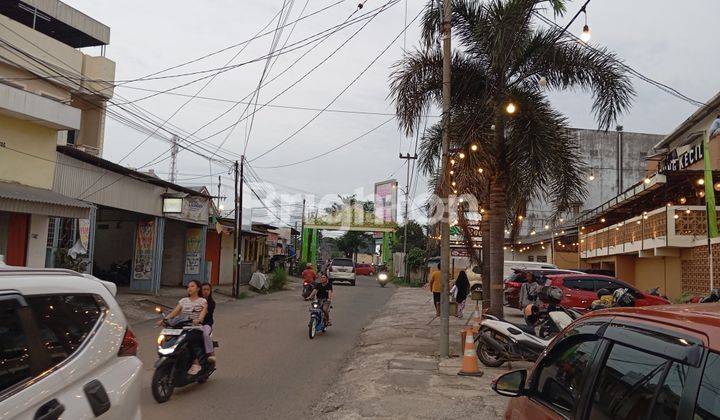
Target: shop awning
[(23, 199)]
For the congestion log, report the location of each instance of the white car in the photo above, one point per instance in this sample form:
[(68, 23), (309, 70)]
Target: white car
[(66, 350), (342, 269)]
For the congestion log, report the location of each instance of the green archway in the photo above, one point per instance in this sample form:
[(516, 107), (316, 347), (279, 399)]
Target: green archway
[(309, 247)]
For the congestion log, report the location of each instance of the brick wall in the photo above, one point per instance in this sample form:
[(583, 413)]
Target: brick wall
[(695, 275)]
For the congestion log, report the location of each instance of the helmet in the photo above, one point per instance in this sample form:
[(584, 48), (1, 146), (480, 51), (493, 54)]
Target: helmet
[(603, 292), (550, 294), (623, 297)]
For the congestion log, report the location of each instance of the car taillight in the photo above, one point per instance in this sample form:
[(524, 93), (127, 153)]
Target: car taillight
[(129, 346)]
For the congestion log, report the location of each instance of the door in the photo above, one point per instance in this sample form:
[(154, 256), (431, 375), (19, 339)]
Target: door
[(212, 255), (578, 293), (17, 238)]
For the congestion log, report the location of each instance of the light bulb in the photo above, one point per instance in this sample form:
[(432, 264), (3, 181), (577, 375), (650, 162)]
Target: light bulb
[(585, 35), (474, 147), (683, 200), (547, 227), (461, 155), (222, 207), (480, 170), (510, 108), (646, 180), (453, 183), (591, 177), (452, 161), (602, 220), (701, 181), (452, 172), (676, 216), (716, 186)]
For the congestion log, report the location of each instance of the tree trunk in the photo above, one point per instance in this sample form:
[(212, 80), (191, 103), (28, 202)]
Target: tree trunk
[(498, 205), (485, 252)]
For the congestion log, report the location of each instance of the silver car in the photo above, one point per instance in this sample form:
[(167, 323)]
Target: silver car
[(342, 269)]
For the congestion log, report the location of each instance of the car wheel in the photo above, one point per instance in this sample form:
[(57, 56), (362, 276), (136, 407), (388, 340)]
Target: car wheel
[(162, 383)]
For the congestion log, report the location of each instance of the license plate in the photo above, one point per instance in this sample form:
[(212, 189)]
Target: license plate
[(171, 331)]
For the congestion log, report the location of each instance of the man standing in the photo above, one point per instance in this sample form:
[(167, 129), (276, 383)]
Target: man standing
[(528, 295)]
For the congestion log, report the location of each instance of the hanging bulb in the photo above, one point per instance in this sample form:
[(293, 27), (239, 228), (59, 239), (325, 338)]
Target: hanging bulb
[(480, 170), (510, 108), (646, 180), (452, 161), (461, 155), (683, 200), (591, 177), (474, 147), (452, 172), (585, 35)]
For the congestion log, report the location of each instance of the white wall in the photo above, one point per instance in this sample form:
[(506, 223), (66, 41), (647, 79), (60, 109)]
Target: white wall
[(37, 241)]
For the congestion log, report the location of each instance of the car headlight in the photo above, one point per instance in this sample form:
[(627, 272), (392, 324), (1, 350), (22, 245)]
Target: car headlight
[(382, 276)]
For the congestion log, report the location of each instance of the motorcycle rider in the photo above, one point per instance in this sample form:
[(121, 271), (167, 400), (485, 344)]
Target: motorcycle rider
[(194, 307), (324, 293), (208, 322), (308, 275)]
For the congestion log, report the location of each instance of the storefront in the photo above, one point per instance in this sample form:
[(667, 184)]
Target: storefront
[(25, 213), (148, 232)]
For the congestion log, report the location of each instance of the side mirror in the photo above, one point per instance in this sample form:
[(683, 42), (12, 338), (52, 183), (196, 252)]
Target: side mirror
[(511, 384)]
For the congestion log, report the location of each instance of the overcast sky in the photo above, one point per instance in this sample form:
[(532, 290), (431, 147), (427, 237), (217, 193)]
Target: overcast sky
[(662, 39)]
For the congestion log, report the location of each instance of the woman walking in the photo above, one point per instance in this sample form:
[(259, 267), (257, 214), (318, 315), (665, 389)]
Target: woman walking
[(462, 286)]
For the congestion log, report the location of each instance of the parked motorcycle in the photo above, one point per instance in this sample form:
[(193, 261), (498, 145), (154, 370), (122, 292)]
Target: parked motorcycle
[(176, 357), (383, 278), (714, 296), (317, 319), (501, 341), (308, 287)]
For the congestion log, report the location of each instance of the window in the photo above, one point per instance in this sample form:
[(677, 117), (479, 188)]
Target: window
[(627, 384), (14, 348), (563, 372), (64, 321), (668, 399), (586, 285), (342, 262), (707, 405), (608, 284), (541, 258)]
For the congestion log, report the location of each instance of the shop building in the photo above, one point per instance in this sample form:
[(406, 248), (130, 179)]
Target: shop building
[(147, 232)]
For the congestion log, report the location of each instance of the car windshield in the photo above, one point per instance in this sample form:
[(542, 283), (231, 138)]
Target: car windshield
[(341, 262)]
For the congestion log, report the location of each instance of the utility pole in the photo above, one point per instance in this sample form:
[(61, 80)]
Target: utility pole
[(302, 231), (173, 158), (238, 244), (218, 197), (444, 223), (407, 192), (235, 282)]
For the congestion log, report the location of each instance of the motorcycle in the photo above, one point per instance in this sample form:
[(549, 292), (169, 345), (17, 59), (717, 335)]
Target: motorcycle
[(383, 278), (175, 358), (714, 296), (308, 287), (501, 341), (317, 319)]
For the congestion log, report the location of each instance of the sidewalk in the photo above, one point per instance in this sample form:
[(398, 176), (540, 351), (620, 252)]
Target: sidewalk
[(395, 371)]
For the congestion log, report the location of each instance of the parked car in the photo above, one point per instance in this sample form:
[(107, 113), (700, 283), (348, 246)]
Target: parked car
[(362, 269), (66, 348), (513, 283), (659, 362), (580, 290), (510, 266), (342, 269)]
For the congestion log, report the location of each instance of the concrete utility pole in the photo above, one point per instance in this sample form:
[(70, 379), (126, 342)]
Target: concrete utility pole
[(237, 243), (407, 192), (173, 158), (444, 223)]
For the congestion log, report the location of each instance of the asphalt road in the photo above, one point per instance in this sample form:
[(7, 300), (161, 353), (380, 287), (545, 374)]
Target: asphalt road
[(267, 365)]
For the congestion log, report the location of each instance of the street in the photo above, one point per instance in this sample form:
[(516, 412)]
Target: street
[(267, 365)]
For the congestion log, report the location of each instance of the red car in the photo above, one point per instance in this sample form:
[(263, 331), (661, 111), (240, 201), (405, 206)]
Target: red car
[(364, 269), (580, 290), (513, 283)]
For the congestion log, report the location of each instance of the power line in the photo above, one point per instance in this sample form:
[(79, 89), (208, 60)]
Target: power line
[(331, 150), (352, 82)]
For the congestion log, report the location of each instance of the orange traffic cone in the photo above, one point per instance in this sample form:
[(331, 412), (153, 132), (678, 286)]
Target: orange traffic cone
[(476, 320), (470, 360)]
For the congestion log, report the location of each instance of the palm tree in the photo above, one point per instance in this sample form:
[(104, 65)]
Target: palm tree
[(504, 57)]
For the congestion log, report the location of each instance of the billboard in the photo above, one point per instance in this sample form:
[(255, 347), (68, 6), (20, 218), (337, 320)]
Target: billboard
[(386, 201)]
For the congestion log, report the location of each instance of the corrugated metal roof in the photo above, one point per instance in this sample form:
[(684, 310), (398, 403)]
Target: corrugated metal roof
[(13, 191)]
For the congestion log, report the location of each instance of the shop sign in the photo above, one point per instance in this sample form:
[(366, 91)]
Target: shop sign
[(195, 208), (682, 157), (193, 242), (144, 247)]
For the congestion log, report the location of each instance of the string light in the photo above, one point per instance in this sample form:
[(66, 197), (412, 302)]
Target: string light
[(520, 217), (474, 147), (510, 108), (547, 227), (675, 216), (647, 180), (591, 177), (687, 211), (480, 170), (602, 220), (585, 35), (452, 161), (452, 172), (453, 183), (683, 200), (461, 155), (716, 186), (701, 181)]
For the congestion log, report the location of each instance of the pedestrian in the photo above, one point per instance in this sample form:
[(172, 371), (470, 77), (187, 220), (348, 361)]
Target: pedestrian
[(436, 288), (462, 288), (528, 297)]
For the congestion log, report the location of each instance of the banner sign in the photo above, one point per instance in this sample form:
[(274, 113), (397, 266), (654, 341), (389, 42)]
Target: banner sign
[(193, 241), (84, 232), (386, 201), (144, 249)]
